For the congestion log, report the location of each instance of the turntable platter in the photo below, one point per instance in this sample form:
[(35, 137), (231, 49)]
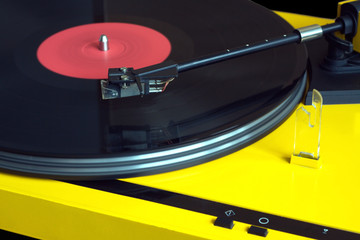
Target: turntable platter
[(58, 126)]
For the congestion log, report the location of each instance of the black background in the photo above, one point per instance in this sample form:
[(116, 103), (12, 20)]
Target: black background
[(325, 9)]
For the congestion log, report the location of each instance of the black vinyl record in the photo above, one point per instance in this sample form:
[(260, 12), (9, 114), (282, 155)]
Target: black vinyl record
[(58, 126)]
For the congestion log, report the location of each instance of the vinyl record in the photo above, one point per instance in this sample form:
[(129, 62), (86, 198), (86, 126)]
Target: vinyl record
[(55, 124)]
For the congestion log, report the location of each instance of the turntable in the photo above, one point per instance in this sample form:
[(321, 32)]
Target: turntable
[(205, 120)]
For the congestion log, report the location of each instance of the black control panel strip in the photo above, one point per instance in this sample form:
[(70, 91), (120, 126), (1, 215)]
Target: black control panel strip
[(218, 209)]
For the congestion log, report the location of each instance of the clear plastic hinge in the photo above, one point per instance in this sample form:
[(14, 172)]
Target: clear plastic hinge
[(307, 133)]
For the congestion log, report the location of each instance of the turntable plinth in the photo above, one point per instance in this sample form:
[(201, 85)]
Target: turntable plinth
[(258, 181)]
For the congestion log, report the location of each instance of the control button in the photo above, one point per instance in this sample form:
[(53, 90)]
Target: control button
[(263, 232), (264, 220), (224, 222)]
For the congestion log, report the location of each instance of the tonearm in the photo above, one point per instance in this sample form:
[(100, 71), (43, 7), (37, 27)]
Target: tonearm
[(126, 81)]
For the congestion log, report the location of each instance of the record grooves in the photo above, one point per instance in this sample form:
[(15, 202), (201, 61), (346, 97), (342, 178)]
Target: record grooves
[(157, 161), (58, 126)]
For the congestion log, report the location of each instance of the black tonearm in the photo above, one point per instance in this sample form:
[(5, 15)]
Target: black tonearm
[(127, 82)]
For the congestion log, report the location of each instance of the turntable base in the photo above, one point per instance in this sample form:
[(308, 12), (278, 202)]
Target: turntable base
[(258, 180)]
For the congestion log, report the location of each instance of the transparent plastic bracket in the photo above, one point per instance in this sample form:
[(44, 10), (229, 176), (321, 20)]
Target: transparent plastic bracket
[(307, 133), (106, 92)]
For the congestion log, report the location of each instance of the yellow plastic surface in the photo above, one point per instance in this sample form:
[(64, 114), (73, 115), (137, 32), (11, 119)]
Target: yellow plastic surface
[(329, 196), (356, 39), (54, 210), (324, 196)]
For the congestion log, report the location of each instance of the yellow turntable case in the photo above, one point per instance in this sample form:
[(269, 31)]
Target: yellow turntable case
[(259, 178)]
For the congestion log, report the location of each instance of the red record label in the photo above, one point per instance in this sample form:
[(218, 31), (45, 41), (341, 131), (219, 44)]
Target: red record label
[(75, 52)]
